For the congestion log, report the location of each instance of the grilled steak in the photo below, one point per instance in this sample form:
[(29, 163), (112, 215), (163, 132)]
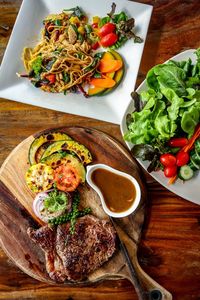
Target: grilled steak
[(73, 257)]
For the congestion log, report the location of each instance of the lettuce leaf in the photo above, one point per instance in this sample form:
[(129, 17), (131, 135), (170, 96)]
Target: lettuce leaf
[(167, 76), (171, 103)]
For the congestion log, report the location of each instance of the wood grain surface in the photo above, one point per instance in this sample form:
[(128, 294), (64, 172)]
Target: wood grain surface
[(170, 246)]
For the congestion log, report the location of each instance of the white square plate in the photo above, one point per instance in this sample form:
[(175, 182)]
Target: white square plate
[(190, 189), (26, 33)]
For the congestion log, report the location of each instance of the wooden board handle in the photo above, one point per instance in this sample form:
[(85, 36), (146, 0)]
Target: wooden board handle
[(145, 287), (149, 289)]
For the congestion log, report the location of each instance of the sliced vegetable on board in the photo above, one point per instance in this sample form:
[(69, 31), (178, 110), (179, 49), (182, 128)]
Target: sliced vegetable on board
[(56, 177), (66, 178), (40, 143), (62, 158), (74, 147), (51, 204), (39, 177)]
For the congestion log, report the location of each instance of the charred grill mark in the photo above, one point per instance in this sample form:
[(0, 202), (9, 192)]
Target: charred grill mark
[(82, 157), (50, 137), (88, 131), (64, 146)]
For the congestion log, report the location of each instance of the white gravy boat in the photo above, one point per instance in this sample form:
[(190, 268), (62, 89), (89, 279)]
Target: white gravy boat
[(135, 203)]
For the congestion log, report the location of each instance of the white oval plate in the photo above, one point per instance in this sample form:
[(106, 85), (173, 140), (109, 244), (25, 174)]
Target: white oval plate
[(189, 190)]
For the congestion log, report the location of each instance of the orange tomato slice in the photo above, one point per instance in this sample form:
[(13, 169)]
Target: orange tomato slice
[(66, 178)]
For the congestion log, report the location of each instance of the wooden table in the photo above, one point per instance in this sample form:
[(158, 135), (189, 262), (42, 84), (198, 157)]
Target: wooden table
[(170, 246)]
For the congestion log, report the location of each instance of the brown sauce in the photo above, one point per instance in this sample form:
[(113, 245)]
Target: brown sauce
[(118, 191)]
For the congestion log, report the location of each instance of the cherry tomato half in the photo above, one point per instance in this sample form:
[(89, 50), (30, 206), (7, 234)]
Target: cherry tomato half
[(107, 28), (178, 142), (95, 25), (170, 171), (182, 158), (95, 46), (168, 160), (109, 39), (66, 178)]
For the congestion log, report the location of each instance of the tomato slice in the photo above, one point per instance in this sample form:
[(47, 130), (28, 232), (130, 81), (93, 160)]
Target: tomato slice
[(107, 28), (66, 178), (168, 160), (109, 39), (51, 78)]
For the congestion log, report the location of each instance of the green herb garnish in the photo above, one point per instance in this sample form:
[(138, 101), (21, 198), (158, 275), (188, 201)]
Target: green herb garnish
[(37, 65), (57, 22), (56, 201), (66, 77), (73, 215)]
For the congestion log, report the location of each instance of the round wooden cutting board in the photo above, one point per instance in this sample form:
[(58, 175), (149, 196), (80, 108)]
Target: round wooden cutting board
[(16, 214)]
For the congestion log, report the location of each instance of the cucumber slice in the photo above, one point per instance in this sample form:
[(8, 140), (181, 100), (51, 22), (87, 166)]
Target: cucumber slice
[(186, 172)]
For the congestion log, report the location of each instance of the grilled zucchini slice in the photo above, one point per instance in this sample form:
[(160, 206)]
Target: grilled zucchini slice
[(40, 144), (71, 146)]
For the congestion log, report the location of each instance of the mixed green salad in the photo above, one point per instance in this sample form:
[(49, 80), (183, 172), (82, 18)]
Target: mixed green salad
[(165, 125)]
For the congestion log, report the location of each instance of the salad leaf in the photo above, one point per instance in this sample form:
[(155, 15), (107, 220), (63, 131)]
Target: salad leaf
[(190, 119), (143, 151), (169, 107), (138, 102), (104, 20), (168, 76), (165, 127)]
